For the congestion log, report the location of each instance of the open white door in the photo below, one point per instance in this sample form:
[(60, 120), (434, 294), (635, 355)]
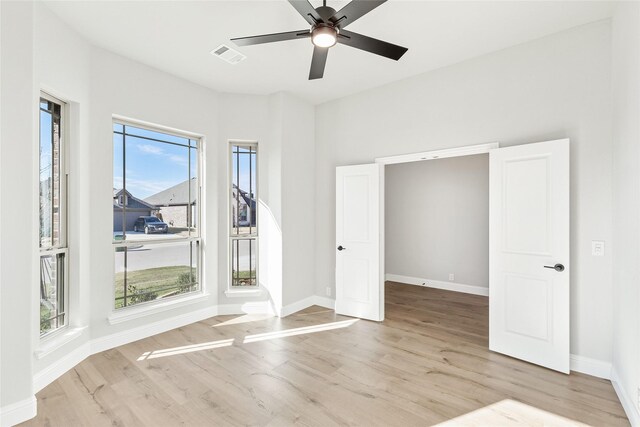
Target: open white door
[(529, 236), (359, 234)]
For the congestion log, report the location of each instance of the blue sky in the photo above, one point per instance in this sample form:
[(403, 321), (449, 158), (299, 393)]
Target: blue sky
[(151, 166), (45, 145), (155, 166)]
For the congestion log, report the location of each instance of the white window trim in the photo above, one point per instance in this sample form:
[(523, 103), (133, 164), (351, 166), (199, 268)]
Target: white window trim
[(63, 247), (253, 290), (54, 341), (137, 311), (123, 314)]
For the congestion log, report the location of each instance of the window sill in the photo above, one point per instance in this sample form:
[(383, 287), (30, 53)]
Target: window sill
[(126, 314), (52, 343), (244, 293)]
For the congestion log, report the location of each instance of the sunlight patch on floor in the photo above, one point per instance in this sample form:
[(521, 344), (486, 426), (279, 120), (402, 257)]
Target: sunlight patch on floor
[(247, 339), (245, 319), (186, 349), (510, 413), (298, 331)]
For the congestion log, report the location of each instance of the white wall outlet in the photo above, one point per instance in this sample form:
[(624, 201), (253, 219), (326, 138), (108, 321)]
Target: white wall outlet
[(328, 291), (452, 277), (597, 247)]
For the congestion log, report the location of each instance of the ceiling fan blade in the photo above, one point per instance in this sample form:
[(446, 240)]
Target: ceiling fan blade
[(307, 11), (372, 45), (270, 38), (317, 62), (354, 10)]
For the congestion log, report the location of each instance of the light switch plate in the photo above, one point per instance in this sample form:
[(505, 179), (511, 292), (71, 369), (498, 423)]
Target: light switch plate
[(597, 247)]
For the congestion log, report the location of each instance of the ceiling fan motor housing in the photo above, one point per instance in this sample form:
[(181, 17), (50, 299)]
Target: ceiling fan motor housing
[(326, 13), (324, 35)]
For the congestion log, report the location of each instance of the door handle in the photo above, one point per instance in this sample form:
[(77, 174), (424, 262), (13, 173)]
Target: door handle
[(558, 267), (341, 248)]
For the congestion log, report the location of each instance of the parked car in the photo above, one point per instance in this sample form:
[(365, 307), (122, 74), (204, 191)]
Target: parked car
[(150, 224)]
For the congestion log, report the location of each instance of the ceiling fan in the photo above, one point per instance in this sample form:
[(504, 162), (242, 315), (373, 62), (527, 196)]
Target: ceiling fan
[(327, 29)]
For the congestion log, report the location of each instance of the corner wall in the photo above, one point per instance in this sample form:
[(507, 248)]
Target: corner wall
[(298, 202), (626, 207)]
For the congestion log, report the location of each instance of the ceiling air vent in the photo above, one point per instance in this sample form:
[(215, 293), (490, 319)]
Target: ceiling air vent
[(225, 53)]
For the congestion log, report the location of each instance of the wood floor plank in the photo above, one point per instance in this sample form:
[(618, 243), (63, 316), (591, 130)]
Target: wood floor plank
[(427, 363)]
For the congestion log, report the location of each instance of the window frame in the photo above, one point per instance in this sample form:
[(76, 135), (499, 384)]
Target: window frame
[(191, 239), (252, 236), (63, 237)]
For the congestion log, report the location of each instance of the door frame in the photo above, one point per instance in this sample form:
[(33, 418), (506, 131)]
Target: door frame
[(466, 150)]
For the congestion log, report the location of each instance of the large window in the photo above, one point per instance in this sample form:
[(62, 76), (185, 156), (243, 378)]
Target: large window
[(156, 230), (52, 216), (244, 214)]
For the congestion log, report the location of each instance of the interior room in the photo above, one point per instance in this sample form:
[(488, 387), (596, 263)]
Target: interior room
[(319, 212), (437, 223)]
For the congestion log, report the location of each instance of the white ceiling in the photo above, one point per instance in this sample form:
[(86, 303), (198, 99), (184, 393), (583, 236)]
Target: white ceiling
[(177, 37)]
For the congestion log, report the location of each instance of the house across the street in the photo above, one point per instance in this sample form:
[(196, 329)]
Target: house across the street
[(133, 208), (177, 205)]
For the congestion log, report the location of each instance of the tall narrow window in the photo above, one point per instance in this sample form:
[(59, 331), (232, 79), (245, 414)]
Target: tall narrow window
[(156, 228), (52, 216), (244, 214)]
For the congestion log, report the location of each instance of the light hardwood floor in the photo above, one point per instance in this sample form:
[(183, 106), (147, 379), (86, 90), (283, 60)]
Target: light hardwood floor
[(427, 363)]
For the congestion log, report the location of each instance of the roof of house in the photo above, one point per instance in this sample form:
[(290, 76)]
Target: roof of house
[(245, 196), (134, 202), (178, 195)]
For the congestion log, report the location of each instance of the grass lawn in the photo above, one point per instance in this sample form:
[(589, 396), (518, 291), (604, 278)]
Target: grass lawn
[(45, 313), (165, 279)]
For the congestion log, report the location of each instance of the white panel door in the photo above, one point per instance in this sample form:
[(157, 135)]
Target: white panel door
[(359, 234), (529, 253)]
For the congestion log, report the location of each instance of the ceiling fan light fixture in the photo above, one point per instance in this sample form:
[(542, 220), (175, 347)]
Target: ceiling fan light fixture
[(324, 36)]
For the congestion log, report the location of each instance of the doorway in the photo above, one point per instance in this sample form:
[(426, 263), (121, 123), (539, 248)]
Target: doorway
[(437, 223), (528, 244)]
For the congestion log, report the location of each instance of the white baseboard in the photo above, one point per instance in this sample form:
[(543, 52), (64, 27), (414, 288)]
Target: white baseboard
[(56, 369), (296, 306), (589, 366), (307, 302), (627, 401), (135, 334), (253, 307), (325, 302), (438, 284), (18, 412)]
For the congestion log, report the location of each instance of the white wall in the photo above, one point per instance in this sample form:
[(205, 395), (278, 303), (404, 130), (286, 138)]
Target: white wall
[(437, 219), (626, 204), (551, 88), (17, 245), (283, 126), (298, 201), (61, 68)]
